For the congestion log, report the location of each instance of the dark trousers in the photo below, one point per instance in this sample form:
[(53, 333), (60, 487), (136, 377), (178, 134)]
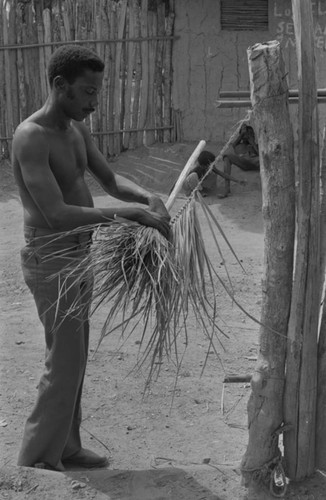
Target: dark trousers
[(244, 162), (52, 429)]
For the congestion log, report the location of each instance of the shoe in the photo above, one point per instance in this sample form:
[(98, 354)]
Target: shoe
[(86, 458), (43, 465)]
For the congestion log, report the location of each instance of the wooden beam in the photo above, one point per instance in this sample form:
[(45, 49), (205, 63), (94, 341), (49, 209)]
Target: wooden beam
[(301, 370), (321, 365), (87, 42), (273, 128), (230, 94), (246, 103)]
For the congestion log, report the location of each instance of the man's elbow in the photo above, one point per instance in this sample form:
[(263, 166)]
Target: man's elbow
[(57, 219)]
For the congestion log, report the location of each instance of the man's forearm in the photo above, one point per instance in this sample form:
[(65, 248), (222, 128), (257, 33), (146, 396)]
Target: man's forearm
[(226, 176), (66, 217), (130, 191)]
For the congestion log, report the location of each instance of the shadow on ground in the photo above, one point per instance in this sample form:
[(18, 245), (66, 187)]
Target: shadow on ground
[(163, 483), (154, 484)]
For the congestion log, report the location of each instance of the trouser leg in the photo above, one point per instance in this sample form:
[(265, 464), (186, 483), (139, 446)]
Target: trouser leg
[(227, 170), (73, 443), (245, 163), (55, 418)]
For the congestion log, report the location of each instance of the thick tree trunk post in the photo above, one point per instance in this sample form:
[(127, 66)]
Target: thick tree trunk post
[(301, 370), (321, 365), (269, 96)]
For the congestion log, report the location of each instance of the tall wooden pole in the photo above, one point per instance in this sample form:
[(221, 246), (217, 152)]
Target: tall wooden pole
[(301, 370), (321, 365), (269, 96)]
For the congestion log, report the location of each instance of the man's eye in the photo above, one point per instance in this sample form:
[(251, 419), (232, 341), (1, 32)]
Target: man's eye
[(90, 91)]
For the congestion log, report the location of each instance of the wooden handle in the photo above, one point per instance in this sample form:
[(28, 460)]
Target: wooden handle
[(188, 166)]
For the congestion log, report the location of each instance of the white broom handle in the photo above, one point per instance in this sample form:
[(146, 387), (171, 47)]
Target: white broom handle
[(188, 166)]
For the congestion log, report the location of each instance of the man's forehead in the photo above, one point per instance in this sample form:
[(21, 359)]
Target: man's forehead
[(90, 78)]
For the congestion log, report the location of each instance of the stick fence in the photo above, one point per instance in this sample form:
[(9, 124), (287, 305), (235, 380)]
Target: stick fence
[(133, 37)]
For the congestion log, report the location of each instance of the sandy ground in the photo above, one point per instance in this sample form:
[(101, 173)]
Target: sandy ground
[(182, 442)]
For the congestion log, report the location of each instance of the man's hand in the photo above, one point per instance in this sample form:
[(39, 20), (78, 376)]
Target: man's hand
[(156, 220), (156, 205)]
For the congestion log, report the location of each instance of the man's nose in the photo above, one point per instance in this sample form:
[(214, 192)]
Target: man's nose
[(94, 101)]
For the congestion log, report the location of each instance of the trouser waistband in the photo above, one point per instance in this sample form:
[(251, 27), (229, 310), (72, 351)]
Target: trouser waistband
[(31, 232)]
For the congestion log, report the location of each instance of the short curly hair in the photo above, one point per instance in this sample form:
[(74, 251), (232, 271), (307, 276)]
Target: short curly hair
[(205, 158), (70, 61)]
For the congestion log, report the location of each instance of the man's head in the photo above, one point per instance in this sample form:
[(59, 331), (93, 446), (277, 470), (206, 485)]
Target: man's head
[(75, 75), (71, 61), (205, 158), (246, 131)]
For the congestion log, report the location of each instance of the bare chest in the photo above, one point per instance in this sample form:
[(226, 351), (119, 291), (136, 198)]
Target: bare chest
[(67, 157)]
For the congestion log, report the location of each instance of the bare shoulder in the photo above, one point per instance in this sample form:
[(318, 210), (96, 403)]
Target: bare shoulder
[(28, 136)]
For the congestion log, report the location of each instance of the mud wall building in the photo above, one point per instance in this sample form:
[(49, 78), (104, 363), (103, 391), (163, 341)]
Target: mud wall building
[(210, 55)]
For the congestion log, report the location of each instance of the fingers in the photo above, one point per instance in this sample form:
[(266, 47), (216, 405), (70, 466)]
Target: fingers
[(163, 226), (165, 231), (156, 220), (157, 205)]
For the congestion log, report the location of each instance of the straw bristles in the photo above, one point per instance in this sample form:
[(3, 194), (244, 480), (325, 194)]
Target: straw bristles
[(150, 285)]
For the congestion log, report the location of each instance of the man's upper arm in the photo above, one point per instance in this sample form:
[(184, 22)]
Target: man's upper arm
[(114, 184), (32, 152), (97, 164)]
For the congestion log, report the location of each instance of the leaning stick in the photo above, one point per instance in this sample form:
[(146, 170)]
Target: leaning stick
[(188, 166)]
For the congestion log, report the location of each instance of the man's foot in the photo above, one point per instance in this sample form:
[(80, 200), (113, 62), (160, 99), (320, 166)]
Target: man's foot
[(86, 458), (43, 465)]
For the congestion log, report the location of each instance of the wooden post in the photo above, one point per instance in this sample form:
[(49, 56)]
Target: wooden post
[(152, 32), (321, 365), (130, 55), (144, 89), (168, 75), (119, 76), (4, 129), (158, 102), (321, 397), (269, 96), (301, 369), (137, 76)]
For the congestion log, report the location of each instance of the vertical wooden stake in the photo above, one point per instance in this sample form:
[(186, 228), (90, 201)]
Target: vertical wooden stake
[(119, 76), (168, 75), (130, 55), (321, 365), (144, 75), (269, 96), (301, 371), (137, 76)]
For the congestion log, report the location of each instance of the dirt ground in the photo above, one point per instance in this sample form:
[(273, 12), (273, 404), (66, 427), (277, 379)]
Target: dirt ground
[(186, 447)]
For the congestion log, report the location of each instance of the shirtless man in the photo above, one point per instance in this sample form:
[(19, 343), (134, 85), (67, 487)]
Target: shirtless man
[(204, 160), (243, 153), (51, 151)]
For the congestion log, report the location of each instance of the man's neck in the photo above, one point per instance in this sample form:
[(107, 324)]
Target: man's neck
[(54, 115)]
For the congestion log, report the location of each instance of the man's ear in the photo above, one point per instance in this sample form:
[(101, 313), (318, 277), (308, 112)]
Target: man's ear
[(59, 82)]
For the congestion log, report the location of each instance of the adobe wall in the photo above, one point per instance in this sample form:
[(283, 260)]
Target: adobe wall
[(207, 60)]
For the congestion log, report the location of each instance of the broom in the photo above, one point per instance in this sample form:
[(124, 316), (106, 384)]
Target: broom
[(150, 283)]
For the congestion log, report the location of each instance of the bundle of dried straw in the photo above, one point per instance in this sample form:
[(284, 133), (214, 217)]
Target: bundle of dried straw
[(150, 284)]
